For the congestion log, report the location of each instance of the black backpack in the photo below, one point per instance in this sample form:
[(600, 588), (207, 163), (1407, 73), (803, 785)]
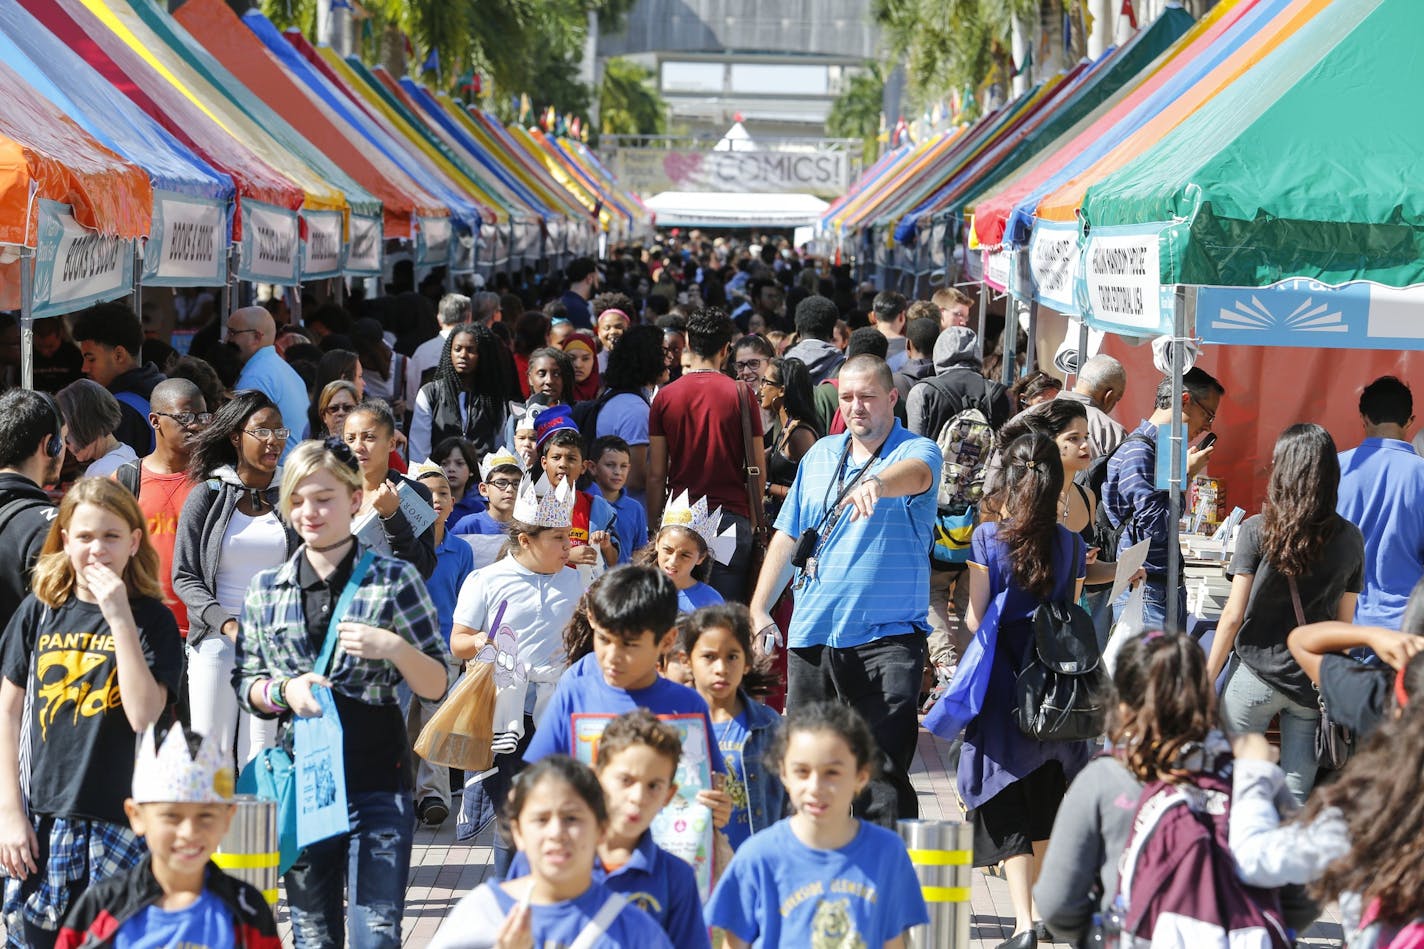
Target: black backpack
[(1061, 682), (585, 415), (1105, 535)]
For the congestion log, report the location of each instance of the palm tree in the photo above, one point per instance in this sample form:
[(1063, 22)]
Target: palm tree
[(629, 104), (857, 110)]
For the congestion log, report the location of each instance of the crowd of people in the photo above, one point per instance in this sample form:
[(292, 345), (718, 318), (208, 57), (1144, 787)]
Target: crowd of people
[(719, 525)]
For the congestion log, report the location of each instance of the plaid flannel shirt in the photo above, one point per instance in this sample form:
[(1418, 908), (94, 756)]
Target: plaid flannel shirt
[(272, 637)]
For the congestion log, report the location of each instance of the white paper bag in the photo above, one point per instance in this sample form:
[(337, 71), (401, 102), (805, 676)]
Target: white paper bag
[(1128, 625)]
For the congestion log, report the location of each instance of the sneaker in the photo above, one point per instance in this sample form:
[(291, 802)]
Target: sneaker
[(432, 811), (943, 675)]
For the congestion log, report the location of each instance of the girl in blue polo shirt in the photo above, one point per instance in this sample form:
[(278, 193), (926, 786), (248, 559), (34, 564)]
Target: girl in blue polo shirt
[(683, 549), (821, 876), (556, 815)]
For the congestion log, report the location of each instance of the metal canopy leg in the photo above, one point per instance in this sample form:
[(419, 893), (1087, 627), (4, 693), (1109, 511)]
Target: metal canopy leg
[(1178, 442)]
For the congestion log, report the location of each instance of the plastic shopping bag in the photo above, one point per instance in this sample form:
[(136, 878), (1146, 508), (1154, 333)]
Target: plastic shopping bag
[(964, 698), (321, 774), (1128, 625)]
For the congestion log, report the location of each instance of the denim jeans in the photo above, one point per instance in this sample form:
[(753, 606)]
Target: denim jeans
[(369, 867), (880, 680), (1154, 606), (1248, 705), (1099, 605)]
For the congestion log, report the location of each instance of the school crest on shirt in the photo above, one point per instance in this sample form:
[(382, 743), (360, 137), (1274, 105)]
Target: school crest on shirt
[(647, 903), (833, 926)]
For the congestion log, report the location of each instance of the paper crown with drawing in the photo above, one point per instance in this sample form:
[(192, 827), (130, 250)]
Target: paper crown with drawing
[(693, 516), (186, 768), (539, 505), (503, 458)]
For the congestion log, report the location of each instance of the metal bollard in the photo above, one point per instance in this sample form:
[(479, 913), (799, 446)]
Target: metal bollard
[(249, 850), (943, 855)]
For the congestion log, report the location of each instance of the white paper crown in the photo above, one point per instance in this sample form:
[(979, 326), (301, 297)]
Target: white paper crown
[(682, 513), (538, 505), (502, 458), (175, 774), (421, 469)]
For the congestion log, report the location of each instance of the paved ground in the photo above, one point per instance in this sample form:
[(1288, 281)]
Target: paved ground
[(444, 870)]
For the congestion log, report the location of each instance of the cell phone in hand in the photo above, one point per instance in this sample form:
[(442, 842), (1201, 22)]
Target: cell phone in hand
[(1207, 442)]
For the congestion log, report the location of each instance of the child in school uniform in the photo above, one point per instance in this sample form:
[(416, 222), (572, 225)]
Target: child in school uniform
[(181, 806), (561, 458), (684, 548), (608, 464), (636, 764)]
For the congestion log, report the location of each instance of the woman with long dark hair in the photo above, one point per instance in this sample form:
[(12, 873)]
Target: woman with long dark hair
[(228, 532), (1012, 783), (786, 395), (469, 396), (1296, 562)]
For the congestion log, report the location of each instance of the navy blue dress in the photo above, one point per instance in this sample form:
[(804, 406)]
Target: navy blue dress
[(996, 753)]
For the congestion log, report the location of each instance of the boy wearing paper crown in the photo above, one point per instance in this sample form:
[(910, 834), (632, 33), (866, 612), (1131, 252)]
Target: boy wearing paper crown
[(561, 455), (182, 806)]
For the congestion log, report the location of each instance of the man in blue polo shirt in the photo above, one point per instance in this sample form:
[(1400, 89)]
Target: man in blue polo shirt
[(1382, 493), (862, 597), (251, 331), (1130, 495)]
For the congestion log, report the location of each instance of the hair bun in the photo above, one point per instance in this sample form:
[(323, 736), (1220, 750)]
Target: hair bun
[(342, 451)]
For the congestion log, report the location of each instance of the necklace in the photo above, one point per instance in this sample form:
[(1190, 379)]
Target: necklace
[(322, 550)]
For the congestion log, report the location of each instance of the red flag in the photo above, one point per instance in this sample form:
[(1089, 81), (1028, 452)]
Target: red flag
[(1130, 13)]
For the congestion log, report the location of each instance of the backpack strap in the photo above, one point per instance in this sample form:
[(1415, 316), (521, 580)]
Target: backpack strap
[(130, 476), (595, 928), (15, 508)]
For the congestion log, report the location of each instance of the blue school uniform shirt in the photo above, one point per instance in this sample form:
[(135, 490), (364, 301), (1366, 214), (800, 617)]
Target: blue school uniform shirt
[(697, 596), (481, 522), (584, 691), (873, 576), (207, 924), (454, 561), (471, 503), (559, 924), (656, 882), (779, 892), (631, 526)]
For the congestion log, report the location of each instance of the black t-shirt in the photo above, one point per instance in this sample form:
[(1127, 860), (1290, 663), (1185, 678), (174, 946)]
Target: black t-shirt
[(81, 744), (374, 743), (1270, 614), (1355, 693)]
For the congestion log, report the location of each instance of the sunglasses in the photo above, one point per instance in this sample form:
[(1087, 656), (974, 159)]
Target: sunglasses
[(188, 418)]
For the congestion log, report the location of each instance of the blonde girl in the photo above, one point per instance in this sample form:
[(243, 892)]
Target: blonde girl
[(99, 656)]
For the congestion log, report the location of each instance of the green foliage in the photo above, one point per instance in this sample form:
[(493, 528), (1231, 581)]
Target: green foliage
[(628, 102), (950, 44), (856, 111)]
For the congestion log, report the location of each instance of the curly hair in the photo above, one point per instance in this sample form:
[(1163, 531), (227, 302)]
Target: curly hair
[(637, 360), (840, 720), (613, 300), (1378, 796), (1298, 518), (1033, 481), (1165, 704)]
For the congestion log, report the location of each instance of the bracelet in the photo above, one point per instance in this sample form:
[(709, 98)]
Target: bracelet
[(277, 694), (876, 479)]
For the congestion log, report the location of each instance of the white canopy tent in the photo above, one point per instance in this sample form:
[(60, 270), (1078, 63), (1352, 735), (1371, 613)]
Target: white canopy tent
[(732, 209)]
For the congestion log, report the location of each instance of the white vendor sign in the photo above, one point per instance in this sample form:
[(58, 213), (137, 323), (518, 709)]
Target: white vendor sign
[(76, 267)]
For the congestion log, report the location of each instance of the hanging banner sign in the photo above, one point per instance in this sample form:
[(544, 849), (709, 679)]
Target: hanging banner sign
[(1119, 281), (1053, 261), (463, 248), (363, 253), (432, 242), (76, 267), (998, 266), (188, 246), (271, 244), (1304, 312), (651, 170), (322, 250)]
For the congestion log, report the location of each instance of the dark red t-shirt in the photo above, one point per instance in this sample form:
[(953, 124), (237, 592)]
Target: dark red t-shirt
[(701, 419)]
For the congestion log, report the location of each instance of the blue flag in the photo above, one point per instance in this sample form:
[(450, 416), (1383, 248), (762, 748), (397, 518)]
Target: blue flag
[(432, 62)]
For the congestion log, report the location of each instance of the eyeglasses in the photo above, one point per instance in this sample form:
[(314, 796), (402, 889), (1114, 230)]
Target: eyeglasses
[(771, 382), (232, 332), (338, 410), (749, 365), (185, 419), (269, 434), (503, 484), (1210, 415)]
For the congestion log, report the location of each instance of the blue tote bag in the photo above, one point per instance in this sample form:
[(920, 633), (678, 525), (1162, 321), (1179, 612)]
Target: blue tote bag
[(964, 698), (272, 776)]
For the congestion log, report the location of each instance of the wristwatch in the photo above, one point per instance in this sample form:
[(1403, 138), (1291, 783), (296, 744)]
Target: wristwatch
[(876, 479)]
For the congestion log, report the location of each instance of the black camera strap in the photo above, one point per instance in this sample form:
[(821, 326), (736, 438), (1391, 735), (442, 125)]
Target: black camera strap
[(828, 519)]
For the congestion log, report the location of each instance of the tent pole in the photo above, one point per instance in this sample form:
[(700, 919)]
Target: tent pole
[(1177, 441), (1031, 343), (983, 310), (27, 319), (1010, 341), (138, 280), (1082, 349)]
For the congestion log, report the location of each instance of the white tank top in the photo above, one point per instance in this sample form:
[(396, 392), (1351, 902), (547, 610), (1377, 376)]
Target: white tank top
[(249, 544)]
